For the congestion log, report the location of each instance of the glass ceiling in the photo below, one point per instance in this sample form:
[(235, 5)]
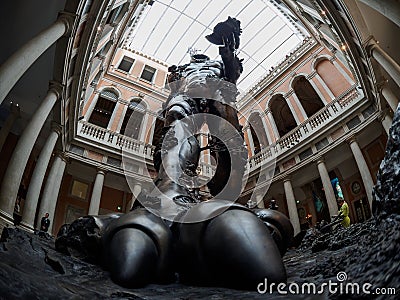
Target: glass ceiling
[(169, 28)]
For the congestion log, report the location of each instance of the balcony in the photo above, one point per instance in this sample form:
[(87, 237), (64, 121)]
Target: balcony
[(308, 128), (115, 142)]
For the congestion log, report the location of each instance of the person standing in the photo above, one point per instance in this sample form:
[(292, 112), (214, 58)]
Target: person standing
[(44, 225), (344, 212)]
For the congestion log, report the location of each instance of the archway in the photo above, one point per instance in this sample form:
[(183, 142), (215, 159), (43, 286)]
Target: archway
[(258, 133), (282, 114), (104, 108), (307, 96)]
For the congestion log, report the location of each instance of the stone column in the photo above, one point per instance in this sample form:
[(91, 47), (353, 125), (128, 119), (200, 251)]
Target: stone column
[(114, 115), (328, 189), (260, 201), (96, 193), (15, 170), (137, 188), (293, 111), (386, 121), (91, 107), (386, 62), (316, 89), (8, 124), (291, 203), (342, 71), (390, 97), (32, 197), (300, 106), (389, 8), (327, 89), (273, 124), (143, 127), (51, 190), (363, 168), (16, 65), (250, 139)]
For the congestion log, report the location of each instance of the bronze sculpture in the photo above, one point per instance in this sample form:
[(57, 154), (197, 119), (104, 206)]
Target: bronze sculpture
[(214, 242)]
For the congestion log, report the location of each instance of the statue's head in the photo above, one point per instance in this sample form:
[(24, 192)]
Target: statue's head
[(199, 58)]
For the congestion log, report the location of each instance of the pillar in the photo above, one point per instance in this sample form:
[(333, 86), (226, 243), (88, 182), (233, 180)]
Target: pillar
[(32, 196), (300, 106), (117, 107), (15, 170), (342, 71), (91, 107), (94, 206), (292, 207), (386, 62), (8, 124), (363, 168), (328, 189), (260, 201), (386, 121), (296, 117), (17, 64), (137, 188), (327, 89), (390, 97), (389, 8), (250, 139), (273, 124), (51, 190)]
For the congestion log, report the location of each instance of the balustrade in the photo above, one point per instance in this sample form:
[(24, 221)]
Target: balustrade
[(114, 140), (307, 128)]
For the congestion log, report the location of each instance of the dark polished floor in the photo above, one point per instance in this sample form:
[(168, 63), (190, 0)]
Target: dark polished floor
[(30, 268)]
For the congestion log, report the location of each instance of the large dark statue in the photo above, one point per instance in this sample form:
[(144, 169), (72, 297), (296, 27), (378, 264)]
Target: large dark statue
[(176, 233)]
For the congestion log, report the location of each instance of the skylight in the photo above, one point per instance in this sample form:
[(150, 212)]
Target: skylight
[(169, 28)]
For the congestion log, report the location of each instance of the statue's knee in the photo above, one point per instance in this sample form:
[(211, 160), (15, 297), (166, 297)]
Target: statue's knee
[(132, 258), (138, 249), (280, 227)]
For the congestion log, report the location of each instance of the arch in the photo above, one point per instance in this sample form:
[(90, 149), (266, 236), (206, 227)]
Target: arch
[(258, 132), (282, 114), (308, 97), (331, 76), (317, 60), (108, 92), (139, 102)]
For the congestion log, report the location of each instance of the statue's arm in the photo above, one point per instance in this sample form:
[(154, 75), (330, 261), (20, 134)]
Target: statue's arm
[(232, 64)]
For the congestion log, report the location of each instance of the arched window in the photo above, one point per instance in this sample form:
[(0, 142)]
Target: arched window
[(334, 80), (283, 117), (307, 96), (133, 119), (258, 133), (104, 108)]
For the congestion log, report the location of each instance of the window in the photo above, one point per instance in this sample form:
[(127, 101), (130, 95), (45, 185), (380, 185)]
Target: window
[(133, 120), (79, 189), (126, 64), (102, 112), (148, 73), (322, 144), (353, 122)]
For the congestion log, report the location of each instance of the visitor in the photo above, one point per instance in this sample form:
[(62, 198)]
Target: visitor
[(273, 205), (44, 225), (344, 212)]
